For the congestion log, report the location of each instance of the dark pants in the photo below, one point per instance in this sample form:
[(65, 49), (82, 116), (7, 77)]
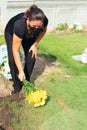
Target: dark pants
[(29, 61)]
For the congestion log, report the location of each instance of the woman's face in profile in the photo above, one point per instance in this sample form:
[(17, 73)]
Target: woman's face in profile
[(34, 25)]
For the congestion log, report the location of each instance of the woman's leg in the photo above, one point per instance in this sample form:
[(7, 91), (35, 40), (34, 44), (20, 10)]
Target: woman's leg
[(17, 85), (29, 65), (29, 60)]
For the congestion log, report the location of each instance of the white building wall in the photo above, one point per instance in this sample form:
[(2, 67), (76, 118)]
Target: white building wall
[(57, 11), (3, 15)]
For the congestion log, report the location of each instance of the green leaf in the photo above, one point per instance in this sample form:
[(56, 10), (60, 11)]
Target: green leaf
[(28, 87)]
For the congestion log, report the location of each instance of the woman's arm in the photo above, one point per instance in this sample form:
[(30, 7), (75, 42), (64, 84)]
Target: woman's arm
[(16, 53), (34, 46), (40, 36)]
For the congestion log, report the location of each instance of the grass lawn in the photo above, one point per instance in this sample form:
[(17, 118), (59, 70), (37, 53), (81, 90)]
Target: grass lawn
[(68, 103), (66, 108), (63, 47)]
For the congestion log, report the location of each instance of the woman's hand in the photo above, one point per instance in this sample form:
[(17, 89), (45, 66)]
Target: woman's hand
[(21, 76), (33, 48)]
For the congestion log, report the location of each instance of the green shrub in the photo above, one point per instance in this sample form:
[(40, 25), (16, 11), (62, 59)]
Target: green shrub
[(77, 28), (62, 26)]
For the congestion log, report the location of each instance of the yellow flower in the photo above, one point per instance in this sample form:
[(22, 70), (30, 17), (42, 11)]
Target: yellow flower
[(34, 95), (30, 97), (37, 104), (42, 102), (38, 98), (43, 94)]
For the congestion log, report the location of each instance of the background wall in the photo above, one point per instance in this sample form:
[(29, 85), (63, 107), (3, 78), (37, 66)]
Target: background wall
[(57, 11)]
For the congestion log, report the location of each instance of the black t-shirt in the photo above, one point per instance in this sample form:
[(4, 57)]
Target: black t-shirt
[(17, 25)]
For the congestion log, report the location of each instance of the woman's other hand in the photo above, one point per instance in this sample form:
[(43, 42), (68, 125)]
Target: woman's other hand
[(33, 48)]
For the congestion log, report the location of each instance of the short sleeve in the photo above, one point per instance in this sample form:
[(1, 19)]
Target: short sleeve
[(19, 28)]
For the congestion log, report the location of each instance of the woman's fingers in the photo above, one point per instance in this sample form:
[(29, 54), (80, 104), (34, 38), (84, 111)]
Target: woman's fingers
[(21, 76)]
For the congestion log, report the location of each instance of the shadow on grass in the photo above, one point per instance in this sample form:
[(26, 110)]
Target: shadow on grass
[(48, 99), (48, 57)]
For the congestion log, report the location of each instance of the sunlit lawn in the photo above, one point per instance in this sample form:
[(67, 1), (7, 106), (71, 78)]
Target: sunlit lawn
[(63, 47)]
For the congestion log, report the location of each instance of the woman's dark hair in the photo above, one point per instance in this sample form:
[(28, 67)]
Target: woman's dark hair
[(34, 13)]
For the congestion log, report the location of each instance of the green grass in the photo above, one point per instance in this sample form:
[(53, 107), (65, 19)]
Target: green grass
[(63, 47), (66, 108), (2, 40)]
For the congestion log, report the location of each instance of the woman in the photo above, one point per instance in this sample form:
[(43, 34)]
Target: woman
[(25, 29)]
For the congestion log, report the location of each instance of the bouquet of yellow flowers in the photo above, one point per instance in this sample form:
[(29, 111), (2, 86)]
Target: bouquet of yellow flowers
[(33, 94)]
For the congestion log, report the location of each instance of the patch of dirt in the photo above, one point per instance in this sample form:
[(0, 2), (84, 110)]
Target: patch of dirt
[(6, 113), (42, 69), (5, 118), (5, 86)]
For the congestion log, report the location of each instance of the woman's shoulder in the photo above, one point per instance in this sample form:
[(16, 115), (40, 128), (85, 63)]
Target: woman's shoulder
[(20, 27), (20, 23)]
